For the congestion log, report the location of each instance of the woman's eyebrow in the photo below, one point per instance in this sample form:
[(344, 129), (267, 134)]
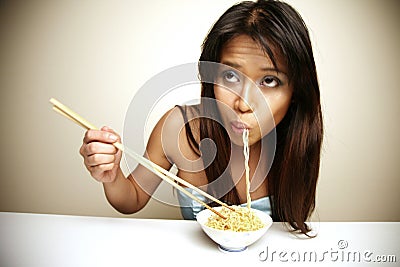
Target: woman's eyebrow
[(231, 64), (238, 66), (273, 69)]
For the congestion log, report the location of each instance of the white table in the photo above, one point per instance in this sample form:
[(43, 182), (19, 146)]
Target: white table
[(60, 240)]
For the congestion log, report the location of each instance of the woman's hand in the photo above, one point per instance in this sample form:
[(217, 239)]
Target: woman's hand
[(101, 157)]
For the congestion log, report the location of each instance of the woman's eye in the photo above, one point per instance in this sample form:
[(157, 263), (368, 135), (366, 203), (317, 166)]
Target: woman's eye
[(271, 82), (230, 76)]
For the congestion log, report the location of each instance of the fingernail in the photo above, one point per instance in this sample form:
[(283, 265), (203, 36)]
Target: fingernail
[(113, 137)]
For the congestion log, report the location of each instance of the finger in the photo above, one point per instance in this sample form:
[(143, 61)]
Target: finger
[(98, 148), (101, 136), (98, 171), (99, 159), (108, 129)]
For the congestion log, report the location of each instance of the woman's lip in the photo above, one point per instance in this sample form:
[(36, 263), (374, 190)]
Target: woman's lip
[(238, 127)]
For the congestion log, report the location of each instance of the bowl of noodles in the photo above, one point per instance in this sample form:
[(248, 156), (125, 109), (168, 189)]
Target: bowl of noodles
[(240, 229)]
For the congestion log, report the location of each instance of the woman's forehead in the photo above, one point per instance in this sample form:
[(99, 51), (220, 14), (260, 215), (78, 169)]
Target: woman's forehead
[(243, 49)]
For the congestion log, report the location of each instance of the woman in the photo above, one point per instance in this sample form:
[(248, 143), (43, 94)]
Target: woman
[(264, 80)]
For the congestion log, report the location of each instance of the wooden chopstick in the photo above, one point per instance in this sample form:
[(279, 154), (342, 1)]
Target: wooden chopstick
[(156, 169), (176, 178), (60, 108)]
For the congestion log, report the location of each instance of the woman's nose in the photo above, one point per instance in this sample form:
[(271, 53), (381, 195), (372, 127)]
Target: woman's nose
[(242, 103)]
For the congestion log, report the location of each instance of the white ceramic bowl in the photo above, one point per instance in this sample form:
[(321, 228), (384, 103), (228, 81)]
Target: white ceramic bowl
[(231, 241)]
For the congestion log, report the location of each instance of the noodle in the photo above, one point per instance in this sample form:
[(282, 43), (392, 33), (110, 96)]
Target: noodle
[(240, 220), (246, 150)]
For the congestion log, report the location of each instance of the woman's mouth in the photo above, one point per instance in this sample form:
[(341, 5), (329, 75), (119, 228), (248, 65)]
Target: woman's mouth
[(238, 127)]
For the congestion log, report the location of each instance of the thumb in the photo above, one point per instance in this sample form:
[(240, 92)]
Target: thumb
[(110, 130)]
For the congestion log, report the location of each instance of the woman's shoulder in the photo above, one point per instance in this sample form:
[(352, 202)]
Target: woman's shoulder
[(189, 112), (174, 129), (185, 118)]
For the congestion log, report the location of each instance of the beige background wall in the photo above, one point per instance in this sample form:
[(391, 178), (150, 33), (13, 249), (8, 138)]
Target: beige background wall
[(94, 55)]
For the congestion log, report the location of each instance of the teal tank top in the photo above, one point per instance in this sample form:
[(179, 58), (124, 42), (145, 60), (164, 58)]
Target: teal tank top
[(190, 208)]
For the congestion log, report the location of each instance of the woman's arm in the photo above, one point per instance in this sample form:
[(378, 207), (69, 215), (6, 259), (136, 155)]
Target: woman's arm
[(102, 159)]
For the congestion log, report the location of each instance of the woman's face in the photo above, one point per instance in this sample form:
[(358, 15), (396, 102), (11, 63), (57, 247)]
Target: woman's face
[(251, 93)]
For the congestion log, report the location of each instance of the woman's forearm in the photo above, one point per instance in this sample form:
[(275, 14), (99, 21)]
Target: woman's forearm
[(122, 194)]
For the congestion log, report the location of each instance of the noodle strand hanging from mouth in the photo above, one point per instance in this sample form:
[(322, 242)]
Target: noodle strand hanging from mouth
[(243, 218), (246, 151)]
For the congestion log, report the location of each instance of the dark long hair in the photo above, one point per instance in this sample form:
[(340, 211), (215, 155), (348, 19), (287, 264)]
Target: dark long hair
[(293, 176)]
